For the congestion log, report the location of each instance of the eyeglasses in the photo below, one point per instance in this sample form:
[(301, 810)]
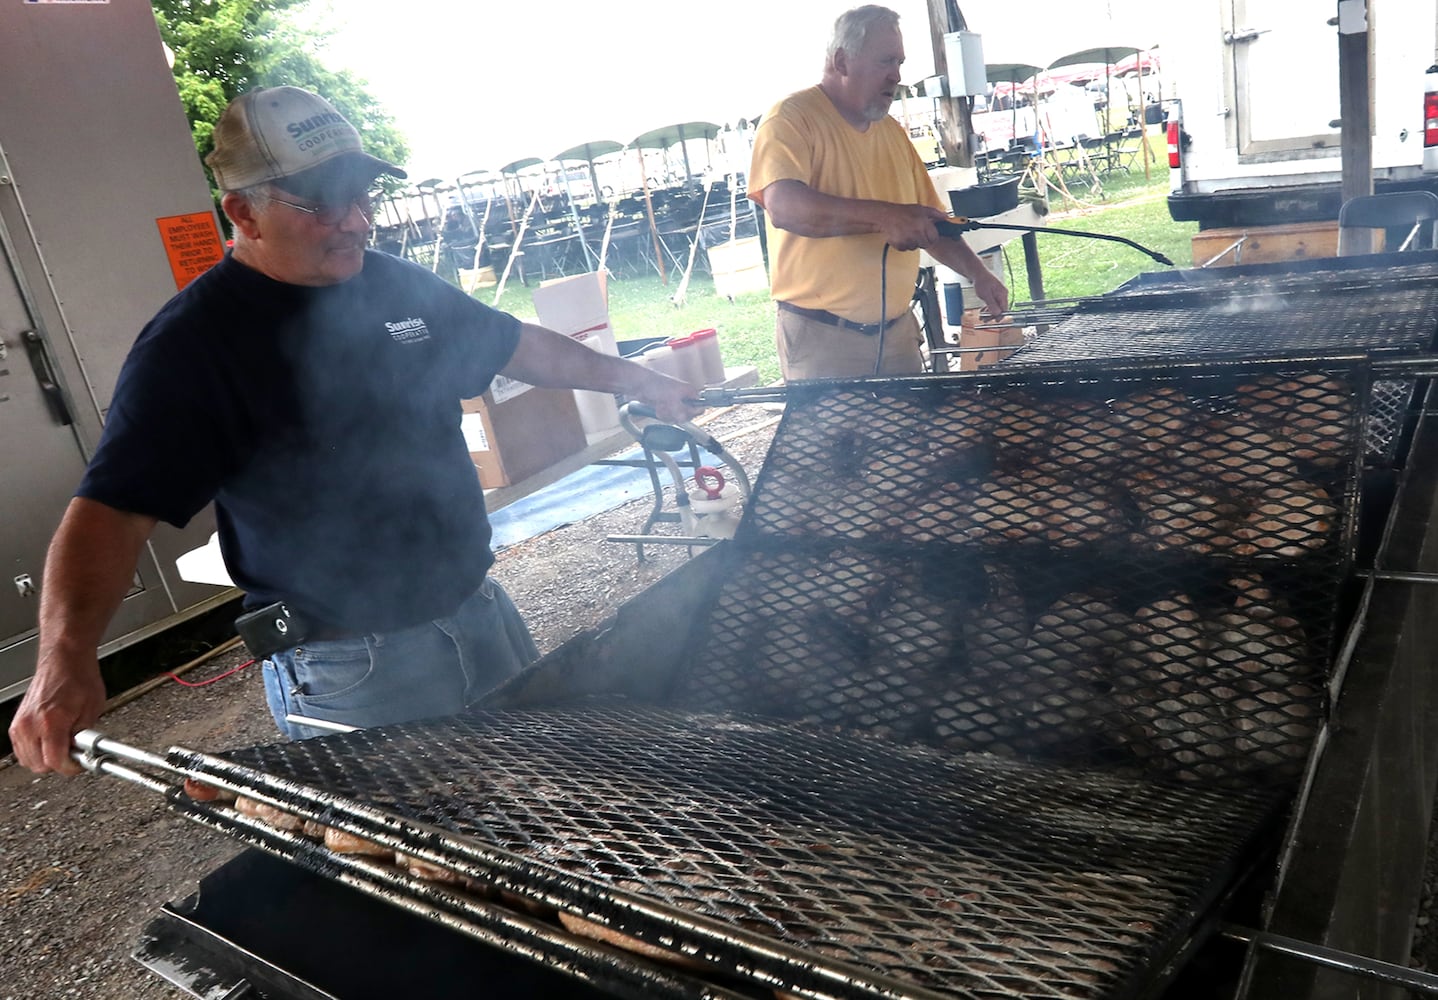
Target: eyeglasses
[(328, 213)]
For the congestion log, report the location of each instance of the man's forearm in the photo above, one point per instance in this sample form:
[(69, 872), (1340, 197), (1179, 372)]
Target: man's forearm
[(89, 568), (551, 360), (957, 255), (800, 209)]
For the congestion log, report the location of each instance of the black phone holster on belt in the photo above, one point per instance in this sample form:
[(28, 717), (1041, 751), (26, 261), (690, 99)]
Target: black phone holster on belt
[(268, 630)]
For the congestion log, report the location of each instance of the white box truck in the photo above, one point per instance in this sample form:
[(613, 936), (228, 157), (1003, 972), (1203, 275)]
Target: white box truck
[(1253, 130)]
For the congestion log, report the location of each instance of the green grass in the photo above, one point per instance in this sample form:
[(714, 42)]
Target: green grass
[(1127, 204), (1073, 266)]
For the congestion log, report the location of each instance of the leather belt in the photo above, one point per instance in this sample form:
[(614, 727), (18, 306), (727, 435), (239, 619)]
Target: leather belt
[(824, 316), (328, 633)]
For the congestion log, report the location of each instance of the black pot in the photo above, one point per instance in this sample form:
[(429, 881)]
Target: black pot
[(986, 199)]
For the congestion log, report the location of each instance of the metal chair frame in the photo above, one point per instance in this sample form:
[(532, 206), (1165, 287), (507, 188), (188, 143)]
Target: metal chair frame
[(1390, 210)]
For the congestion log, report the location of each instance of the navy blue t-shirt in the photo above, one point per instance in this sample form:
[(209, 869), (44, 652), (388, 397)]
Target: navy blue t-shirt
[(325, 424)]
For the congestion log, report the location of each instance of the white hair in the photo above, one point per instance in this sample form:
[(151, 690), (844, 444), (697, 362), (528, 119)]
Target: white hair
[(852, 28)]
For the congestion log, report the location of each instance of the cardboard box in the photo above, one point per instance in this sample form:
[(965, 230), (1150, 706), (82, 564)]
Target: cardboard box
[(515, 430), (1266, 244), (971, 337)]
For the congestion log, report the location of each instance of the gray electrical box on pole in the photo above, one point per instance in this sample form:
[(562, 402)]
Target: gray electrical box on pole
[(104, 213)]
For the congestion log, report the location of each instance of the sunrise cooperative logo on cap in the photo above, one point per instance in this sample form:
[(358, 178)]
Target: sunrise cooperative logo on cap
[(317, 130), (408, 331)]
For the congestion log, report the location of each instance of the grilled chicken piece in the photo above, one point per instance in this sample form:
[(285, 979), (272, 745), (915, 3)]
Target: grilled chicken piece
[(1213, 694), (599, 932), (1157, 420), (428, 872), (342, 842), (944, 516), (851, 584), (268, 814), (1020, 428), (1041, 509), (917, 629), (1312, 413), (1085, 437), (1288, 521), (201, 792), (1187, 518)]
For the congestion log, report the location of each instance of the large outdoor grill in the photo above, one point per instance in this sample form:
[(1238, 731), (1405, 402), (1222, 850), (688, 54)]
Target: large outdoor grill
[(1007, 687)]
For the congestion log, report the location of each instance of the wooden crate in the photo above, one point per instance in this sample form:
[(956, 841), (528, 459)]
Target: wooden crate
[(1266, 244)]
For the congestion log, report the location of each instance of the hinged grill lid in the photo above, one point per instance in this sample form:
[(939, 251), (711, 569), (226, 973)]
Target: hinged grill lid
[(1140, 567), (971, 875)]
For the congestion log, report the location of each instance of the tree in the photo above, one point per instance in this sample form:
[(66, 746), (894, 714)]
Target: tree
[(225, 47)]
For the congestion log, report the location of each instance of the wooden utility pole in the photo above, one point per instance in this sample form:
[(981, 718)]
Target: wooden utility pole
[(1354, 103), (955, 124)]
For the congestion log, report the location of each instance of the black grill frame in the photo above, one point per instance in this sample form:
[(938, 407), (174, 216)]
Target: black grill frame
[(355, 789)]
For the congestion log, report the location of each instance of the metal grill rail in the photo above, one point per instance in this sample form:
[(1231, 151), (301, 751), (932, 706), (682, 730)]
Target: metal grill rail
[(873, 870)]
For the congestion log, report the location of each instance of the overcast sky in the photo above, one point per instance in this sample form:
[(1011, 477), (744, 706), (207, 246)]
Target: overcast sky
[(477, 84)]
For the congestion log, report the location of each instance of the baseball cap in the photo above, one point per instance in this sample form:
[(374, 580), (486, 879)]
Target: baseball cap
[(284, 132)]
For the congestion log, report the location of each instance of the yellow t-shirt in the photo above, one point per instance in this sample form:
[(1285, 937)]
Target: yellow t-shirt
[(804, 138)]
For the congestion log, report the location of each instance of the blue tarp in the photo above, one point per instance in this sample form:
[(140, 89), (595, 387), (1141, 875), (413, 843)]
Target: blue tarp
[(591, 490)]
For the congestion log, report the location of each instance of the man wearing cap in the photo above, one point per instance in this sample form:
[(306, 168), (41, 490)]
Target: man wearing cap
[(839, 179), (311, 389)]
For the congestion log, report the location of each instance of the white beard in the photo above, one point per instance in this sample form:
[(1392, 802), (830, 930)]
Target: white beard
[(875, 113)]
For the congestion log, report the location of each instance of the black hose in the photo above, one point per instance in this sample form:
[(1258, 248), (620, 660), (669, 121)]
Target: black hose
[(954, 229), (883, 306)]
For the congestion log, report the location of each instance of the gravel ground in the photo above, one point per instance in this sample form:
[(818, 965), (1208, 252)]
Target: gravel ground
[(85, 862)]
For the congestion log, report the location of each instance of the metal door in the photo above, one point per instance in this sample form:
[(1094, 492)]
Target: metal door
[(40, 459), (1283, 63)]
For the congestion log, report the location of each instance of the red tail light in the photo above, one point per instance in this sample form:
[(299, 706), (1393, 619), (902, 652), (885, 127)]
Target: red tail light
[(1173, 132), (1430, 119)]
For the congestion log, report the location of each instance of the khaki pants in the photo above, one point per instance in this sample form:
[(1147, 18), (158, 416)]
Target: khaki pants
[(811, 349)]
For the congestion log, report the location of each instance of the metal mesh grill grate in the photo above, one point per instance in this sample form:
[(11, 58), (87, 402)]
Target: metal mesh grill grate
[(1116, 571), (1332, 276), (970, 875), (1383, 429), (1392, 311), (1303, 313)]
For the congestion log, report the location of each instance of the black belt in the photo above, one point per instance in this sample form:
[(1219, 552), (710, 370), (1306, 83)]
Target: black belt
[(275, 627), (824, 316), (329, 633)]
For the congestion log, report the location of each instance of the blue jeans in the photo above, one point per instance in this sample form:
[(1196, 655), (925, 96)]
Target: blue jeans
[(420, 672)]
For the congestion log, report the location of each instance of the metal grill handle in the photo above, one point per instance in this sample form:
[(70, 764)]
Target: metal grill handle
[(1332, 958), (99, 754)]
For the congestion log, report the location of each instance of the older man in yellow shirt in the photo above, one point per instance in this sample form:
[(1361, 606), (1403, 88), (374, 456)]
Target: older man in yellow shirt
[(838, 180)]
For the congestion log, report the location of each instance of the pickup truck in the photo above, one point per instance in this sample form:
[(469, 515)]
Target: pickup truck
[(1253, 121)]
